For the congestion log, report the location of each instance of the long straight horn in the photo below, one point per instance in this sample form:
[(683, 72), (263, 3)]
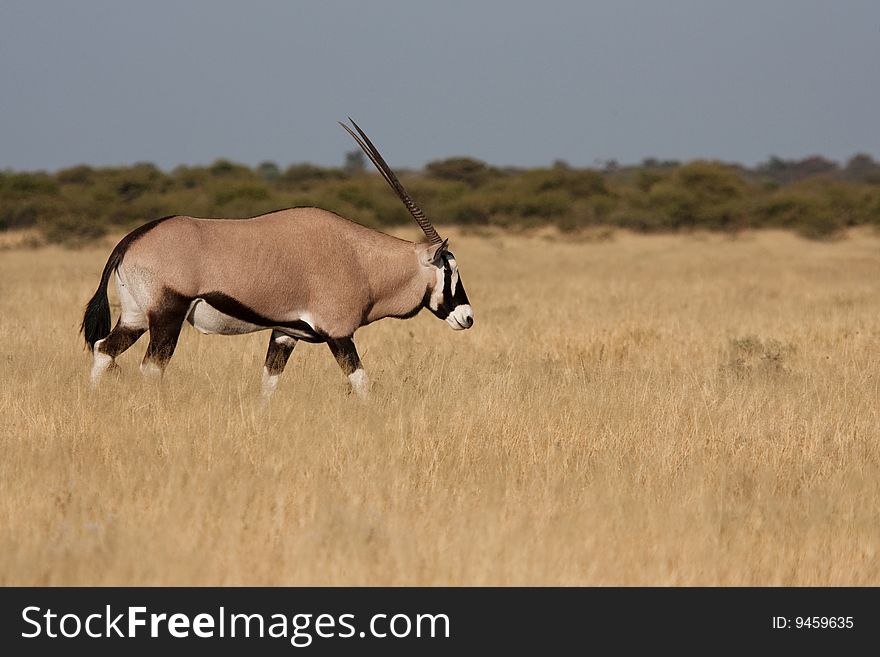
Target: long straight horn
[(368, 148)]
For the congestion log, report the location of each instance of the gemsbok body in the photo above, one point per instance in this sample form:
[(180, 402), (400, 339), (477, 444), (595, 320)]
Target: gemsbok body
[(302, 273)]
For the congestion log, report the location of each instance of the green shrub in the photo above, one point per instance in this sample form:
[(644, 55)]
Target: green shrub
[(132, 182), (268, 171), (26, 186), (577, 183), (72, 229), (710, 180), (545, 204), (241, 192), (804, 209), (18, 215), (460, 169), (190, 177), (78, 175), (468, 211), (300, 175), (645, 179), (225, 169), (823, 199), (359, 196)]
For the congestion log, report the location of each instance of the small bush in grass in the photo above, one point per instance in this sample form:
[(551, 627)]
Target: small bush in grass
[(750, 354)]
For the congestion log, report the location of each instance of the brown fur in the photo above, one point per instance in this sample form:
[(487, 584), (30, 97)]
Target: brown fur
[(283, 264)]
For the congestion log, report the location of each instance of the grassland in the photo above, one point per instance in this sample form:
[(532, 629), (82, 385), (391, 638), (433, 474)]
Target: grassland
[(658, 410)]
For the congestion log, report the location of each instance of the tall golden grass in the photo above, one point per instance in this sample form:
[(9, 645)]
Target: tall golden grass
[(667, 410)]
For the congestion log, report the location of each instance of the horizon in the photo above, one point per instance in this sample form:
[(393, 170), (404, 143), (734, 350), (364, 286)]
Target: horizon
[(607, 166)]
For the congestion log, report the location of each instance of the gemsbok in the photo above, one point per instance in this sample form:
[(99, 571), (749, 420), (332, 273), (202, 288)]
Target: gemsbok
[(303, 273)]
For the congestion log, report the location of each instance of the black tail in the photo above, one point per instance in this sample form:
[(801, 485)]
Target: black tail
[(96, 320)]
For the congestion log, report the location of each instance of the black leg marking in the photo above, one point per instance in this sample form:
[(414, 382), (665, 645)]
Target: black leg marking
[(280, 348), (234, 308), (346, 355), (120, 339), (165, 324)]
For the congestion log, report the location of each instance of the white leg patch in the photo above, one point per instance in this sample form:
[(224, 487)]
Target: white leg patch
[(285, 340), (151, 371), (130, 312), (270, 382), (100, 364), (360, 383)]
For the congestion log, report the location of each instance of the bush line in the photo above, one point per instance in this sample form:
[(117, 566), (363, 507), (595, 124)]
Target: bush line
[(815, 197)]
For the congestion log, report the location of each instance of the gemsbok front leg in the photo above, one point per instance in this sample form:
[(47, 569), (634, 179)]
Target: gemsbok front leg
[(347, 356), (280, 348)]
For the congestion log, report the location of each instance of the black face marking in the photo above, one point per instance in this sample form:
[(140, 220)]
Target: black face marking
[(235, 308), (450, 301)]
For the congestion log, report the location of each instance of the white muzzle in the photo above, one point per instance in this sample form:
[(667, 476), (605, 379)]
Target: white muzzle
[(462, 317)]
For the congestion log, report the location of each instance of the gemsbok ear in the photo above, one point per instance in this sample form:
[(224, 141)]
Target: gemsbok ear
[(433, 254)]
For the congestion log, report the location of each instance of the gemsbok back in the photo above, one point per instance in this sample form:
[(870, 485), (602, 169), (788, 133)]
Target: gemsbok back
[(302, 273)]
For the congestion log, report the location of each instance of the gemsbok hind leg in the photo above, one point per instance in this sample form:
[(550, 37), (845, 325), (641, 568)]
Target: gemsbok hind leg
[(165, 326), (131, 325), (280, 348), (347, 356), (106, 350)]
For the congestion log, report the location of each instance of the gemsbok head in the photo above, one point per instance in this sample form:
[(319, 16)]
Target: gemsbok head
[(301, 273)]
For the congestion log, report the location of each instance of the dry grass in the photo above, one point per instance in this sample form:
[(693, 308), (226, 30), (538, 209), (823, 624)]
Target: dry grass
[(638, 410)]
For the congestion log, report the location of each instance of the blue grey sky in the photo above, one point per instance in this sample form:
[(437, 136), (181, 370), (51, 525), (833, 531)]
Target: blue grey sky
[(108, 82)]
